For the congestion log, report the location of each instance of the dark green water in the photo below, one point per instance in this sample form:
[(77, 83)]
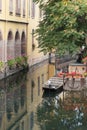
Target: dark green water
[(24, 106)]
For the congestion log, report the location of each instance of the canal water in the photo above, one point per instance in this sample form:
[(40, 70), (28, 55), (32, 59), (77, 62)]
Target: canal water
[(25, 106)]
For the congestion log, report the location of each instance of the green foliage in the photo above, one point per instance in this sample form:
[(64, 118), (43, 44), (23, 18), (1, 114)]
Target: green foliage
[(64, 25), (1, 65), (25, 59), (19, 60), (11, 62)]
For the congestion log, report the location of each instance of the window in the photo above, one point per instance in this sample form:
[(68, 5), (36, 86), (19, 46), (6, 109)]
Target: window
[(42, 78), (33, 9), (18, 7), (29, 8), (33, 45), (32, 90), (10, 6), (0, 5), (23, 7)]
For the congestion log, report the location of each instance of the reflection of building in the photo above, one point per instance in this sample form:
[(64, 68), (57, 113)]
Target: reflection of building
[(20, 95), (13, 101), (37, 77)]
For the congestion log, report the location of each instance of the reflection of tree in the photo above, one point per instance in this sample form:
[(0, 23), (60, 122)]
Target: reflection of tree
[(53, 115)]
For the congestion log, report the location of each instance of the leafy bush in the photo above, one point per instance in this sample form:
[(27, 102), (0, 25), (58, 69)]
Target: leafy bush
[(19, 60), (11, 62)]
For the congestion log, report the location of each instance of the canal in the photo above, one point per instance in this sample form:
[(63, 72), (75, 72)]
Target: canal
[(25, 106)]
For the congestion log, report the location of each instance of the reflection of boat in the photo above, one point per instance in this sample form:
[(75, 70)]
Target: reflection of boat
[(52, 93), (54, 83)]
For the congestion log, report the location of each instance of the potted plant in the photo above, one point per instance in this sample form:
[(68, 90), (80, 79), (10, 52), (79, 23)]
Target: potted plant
[(11, 63), (19, 61)]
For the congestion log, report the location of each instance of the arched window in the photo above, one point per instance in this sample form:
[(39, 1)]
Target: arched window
[(23, 44), (17, 45), (10, 46)]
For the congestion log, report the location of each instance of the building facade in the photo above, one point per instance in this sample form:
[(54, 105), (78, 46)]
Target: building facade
[(35, 15), (18, 21)]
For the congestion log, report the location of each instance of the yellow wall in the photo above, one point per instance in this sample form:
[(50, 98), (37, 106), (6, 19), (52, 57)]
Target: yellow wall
[(51, 70), (31, 104), (34, 56), (13, 22), (5, 12)]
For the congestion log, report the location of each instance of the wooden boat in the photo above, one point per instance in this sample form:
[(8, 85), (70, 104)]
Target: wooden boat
[(54, 83)]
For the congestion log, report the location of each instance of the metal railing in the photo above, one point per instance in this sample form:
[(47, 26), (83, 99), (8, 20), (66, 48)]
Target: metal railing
[(65, 58), (64, 61)]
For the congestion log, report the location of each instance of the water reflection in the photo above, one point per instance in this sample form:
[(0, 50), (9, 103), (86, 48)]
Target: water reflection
[(24, 106), (65, 111), (19, 96), (12, 100)]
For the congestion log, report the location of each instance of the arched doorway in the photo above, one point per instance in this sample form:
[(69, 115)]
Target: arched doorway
[(10, 46), (1, 47), (23, 44), (17, 45)]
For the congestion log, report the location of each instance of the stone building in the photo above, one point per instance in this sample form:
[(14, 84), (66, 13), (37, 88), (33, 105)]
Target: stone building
[(18, 21)]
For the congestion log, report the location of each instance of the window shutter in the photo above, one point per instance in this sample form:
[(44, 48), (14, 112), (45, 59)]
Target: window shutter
[(23, 7), (10, 6), (18, 7), (33, 9), (0, 5)]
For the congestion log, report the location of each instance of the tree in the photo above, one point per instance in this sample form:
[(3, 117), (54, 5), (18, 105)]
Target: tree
[(64, 25)]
